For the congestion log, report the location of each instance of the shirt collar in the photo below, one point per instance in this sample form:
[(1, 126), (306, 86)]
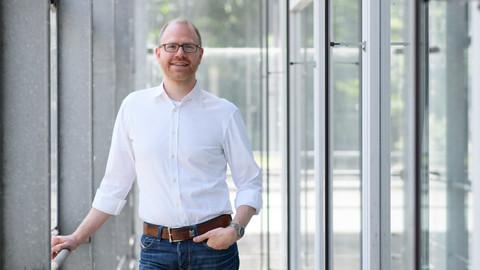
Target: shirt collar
[(195, 94)]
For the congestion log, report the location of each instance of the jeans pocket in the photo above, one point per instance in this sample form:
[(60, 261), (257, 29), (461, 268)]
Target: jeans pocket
[(204, 243), (146, 242)]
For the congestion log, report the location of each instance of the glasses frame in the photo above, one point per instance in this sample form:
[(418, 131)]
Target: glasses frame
[(178, 47)]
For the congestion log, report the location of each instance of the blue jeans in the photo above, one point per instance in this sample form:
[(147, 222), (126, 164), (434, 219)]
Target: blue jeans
[(159, 253)]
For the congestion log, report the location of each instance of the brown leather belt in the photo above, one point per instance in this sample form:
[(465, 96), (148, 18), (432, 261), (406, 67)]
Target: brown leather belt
[(185, 233)]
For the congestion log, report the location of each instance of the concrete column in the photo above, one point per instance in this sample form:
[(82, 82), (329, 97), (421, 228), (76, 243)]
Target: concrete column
[(140, 75), (124, 80), (113, 79), (140, 51), (124, 46), (75, 137), (104, 240), (25, 135)]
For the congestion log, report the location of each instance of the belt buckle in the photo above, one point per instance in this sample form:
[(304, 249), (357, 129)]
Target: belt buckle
[(191, 233), (169, 230)]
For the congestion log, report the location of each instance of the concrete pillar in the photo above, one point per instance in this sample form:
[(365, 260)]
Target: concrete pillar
[(96, 72), (75, 118), (124, 80), (104, 88), (25, 135), (113, 79), (140, 75)]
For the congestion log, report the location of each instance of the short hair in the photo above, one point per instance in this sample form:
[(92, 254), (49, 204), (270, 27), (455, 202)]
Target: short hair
[(182, 21)]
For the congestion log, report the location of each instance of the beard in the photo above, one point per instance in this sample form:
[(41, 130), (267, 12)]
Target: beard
[(180, 73)]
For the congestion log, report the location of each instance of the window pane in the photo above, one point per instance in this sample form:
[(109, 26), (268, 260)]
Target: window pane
[(449, 184), (402, 137), (345, 135), (230, 69), (275, 198)]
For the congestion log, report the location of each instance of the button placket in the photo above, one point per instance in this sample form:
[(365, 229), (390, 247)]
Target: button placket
[(174, 159)]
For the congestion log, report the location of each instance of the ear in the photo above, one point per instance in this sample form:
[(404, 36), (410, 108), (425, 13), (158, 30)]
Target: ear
[(157, 54), (200, 55)]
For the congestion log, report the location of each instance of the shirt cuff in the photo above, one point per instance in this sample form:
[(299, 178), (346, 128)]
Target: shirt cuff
[(251, 198), (107, 203)]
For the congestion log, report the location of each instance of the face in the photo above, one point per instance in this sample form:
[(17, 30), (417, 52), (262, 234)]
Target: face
[(179, 66)]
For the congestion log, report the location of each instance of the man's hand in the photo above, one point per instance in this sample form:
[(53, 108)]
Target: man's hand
[(60, 242), (223, 238), (219, 238), (89, 225)]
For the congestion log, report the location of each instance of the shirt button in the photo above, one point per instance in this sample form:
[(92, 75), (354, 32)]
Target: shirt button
[(174, 180), (175, 110), (173, 132), (173, 156), (178, 204)]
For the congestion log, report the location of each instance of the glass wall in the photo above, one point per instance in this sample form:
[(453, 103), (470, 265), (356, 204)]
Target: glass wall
[(447, 198), (231, 39), (274, 83), (232, 68), (402, 128), (245, 61), (344, 125)]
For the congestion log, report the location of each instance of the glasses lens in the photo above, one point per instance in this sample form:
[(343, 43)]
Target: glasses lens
[(189, 48), (171, 47)]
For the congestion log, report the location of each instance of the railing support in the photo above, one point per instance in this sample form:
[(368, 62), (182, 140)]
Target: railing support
[(62, 255)]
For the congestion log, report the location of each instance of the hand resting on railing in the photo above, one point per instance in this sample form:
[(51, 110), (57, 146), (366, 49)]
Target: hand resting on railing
[(59, 259)]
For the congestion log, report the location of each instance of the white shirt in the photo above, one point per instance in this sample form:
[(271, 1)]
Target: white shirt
[(179, 155)]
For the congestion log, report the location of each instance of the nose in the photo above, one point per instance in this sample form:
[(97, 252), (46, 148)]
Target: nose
[(180, 49)]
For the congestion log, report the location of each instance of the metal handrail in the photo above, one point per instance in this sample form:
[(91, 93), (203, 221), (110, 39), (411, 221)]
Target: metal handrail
[(58, 261)]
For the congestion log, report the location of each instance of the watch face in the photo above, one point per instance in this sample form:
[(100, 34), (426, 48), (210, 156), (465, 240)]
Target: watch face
[(241, 231)]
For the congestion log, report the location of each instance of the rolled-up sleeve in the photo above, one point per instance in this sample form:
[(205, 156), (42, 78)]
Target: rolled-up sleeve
[(120, 169), (246, 174)]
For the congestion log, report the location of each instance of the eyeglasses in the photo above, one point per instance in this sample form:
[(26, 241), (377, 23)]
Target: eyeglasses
[(173, 47)]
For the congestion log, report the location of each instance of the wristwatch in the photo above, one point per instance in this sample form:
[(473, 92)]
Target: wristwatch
[(240, 229)]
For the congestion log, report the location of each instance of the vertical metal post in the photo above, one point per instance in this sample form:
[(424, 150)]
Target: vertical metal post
[(410, 137), (376, 135), (370, 136), (75, 135), (320, 131), (25, 135), (421, 58), (385, 151), (456, 135), (288, 138), (294, 118), (265, 132), (475, 127), (283, 139)]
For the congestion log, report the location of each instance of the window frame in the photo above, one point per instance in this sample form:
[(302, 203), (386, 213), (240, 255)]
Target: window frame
[(475, 35)]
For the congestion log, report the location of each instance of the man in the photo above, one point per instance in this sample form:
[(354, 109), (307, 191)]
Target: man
[(177, 139)]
